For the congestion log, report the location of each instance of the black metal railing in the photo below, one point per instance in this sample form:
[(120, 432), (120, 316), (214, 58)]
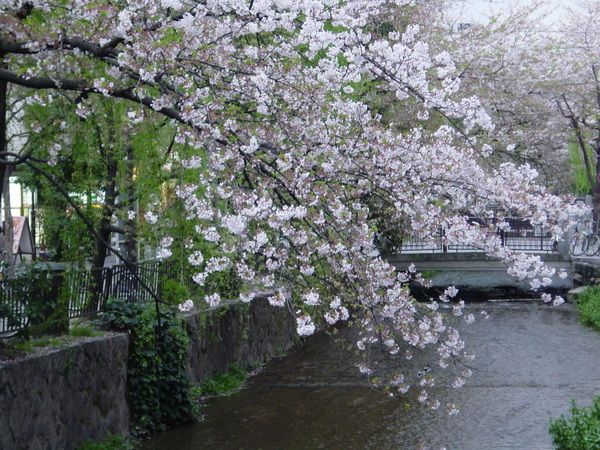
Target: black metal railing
[(522, 236), (87, 291), (13, 313)]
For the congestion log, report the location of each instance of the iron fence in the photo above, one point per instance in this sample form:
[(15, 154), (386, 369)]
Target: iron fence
[(13, 314), (87, 291)]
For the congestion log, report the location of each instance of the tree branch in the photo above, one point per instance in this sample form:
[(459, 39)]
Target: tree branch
[(85, 87)]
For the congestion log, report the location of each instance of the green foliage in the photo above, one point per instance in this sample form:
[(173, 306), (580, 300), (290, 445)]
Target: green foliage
[(223, 383), (173, 293), (95, 160), (158, 385), (588, 304), (579, 432), (581, 182), (7, 312), (110, 443), (84, 331), (226, 284), (31, 288), (26, 299), (32, 345)]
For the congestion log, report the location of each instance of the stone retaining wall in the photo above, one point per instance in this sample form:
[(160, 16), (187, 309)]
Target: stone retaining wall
[(585, 273), (246, 334), (61, 398)]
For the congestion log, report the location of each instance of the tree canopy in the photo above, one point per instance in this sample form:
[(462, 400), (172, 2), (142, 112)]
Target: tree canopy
[(276, 108)]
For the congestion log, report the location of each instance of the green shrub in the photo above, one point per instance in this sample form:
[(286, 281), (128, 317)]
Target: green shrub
[(29, 286), (173, 293), (588, 304), (579, 432)]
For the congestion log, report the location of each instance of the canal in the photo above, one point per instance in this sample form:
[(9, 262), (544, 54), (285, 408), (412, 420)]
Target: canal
[(532, 359)]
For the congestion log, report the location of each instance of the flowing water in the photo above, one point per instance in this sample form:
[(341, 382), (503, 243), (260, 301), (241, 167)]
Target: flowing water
[(532, 359)]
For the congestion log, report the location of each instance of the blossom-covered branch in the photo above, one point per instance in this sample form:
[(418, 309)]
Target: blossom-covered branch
[(295, 168)]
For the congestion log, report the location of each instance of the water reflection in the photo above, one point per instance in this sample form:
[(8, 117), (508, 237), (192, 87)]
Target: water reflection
[(532, 359)]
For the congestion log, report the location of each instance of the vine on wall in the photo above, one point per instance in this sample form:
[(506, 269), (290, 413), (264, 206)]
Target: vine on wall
[(159, 390)]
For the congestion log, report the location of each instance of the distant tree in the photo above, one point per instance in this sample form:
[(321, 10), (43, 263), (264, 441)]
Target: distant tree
[(575, 66), (504, 62), (539, 81)]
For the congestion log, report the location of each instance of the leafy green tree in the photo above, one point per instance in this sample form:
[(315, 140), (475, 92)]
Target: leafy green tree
[(106, 169)]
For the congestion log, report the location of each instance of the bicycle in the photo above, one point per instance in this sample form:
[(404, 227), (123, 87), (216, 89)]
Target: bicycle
[(578, 243), (593, 244), (584, 242)]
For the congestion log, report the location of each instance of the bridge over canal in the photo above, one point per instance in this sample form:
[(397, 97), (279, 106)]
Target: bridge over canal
[(478, 276)]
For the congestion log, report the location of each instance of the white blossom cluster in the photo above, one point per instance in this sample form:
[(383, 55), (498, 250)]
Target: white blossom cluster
[(290, 159)]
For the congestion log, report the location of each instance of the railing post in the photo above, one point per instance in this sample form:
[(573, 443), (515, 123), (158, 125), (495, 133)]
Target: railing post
[(444, 244), (541, 239), (56, 313)]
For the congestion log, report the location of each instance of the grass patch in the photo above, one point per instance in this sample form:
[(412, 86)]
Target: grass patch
[(581, 431), (223, 383), (24, 346), (110, 443), (8, 351), (84, 331), (588, 304), (30, 346)]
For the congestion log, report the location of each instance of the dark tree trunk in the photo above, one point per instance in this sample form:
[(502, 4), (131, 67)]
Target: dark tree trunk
[(6, 247), (102, 241)]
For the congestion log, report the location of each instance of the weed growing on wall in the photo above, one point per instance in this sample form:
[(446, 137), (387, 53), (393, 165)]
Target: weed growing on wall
[(223, 383), (158, 385)]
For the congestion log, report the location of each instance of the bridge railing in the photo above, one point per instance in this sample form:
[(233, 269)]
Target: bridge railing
[(522, 236)]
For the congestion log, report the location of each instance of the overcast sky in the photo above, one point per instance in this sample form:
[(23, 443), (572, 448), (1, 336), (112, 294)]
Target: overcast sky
[(478, 11)]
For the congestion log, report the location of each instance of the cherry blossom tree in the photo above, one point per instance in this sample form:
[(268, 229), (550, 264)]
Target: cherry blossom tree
[(574, 65), (538, 80), (289, 156), (505, 62)]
